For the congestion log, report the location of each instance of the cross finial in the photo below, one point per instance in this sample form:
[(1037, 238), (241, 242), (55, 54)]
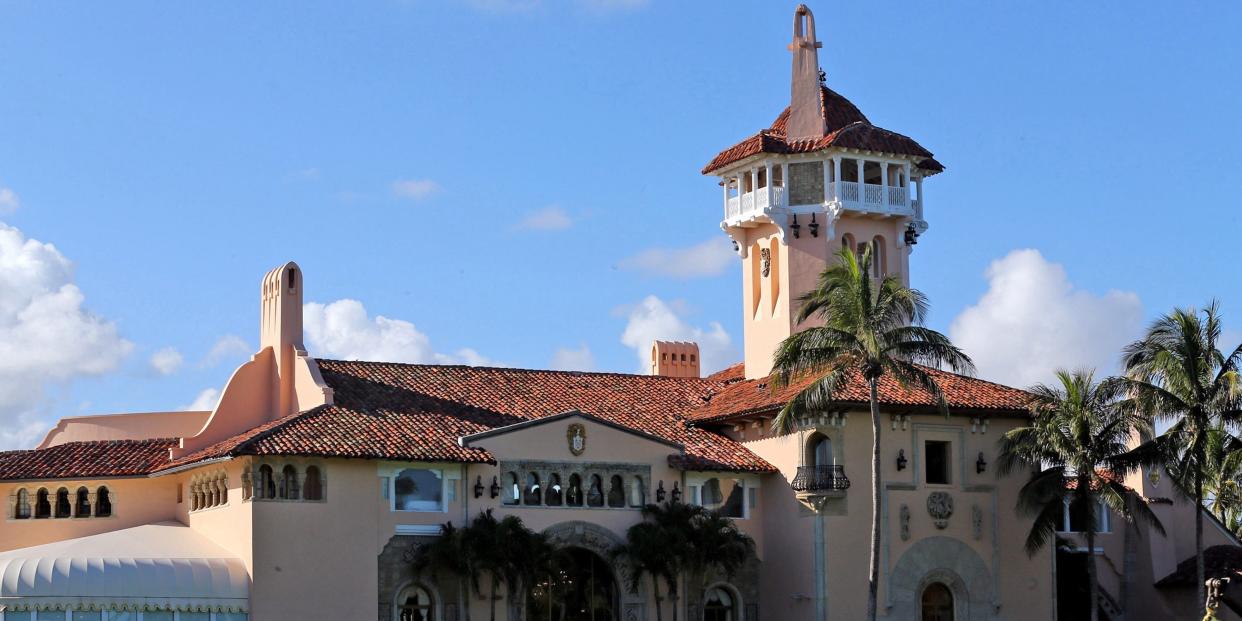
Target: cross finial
[(806, 118)]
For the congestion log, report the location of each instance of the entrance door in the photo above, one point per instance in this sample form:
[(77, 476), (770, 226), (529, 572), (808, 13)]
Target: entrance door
[(937, 603), (581, 589)]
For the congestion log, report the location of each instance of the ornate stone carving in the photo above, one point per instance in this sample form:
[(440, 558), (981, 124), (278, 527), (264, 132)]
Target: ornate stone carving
[(940, 507), (765, 258), (976, 522), (576, 435), (905, 522)]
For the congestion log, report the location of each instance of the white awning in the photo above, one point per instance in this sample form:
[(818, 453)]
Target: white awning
[(164, 566)]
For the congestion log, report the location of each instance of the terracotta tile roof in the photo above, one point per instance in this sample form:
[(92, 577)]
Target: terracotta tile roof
[(417, 412), (82, 460), (1219, 562), (845, 127), (739, 396)]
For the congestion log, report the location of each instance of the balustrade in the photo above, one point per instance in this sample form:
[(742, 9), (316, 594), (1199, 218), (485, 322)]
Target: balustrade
[(820, 479)]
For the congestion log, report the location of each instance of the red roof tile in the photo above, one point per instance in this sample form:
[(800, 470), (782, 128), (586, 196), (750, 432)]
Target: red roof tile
[(82, 460), (845, 127), (417, 413), (1223, 561), (740, 396)]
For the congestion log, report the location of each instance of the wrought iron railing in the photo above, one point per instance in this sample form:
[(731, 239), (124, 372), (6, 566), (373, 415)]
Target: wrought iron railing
[(821, 479)]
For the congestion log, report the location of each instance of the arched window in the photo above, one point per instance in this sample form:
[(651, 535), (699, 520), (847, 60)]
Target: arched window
[(63, 508), (43, 508), (414, 604), (289, 483), (638, 495), (879, 257), (267, 482), (552, 497), (616, 492), (819, 451), (514, 493), (847, 242), (419, 489), (937, 603), (313, 489), (595, 495), (21, 506), (103, 502), (82, 503), (534, 492), (573, 496), (719, 605)]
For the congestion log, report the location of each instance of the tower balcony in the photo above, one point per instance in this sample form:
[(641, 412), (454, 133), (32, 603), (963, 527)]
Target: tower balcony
[(820, 481)]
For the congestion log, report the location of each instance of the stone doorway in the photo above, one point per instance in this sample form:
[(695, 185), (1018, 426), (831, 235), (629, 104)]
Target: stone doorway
[(583, 589)]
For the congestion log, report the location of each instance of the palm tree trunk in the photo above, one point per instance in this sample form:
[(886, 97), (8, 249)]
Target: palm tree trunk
[(1199, 570), (1092, 584), (655, 589), (873, 586), (493, 598)]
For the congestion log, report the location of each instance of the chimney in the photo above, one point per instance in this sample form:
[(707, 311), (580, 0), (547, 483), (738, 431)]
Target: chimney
[(806, 115), (675, 359), (281, 328)]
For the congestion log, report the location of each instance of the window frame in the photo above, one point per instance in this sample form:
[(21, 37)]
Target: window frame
[(450, 474), (695, 482)]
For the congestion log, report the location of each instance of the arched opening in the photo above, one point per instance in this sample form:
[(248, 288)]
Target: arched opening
[(595, 495), (82, 503), (638, 495), (936, 603), (616, 492), (847, 242), (63, 508), (534, 491), (582, 588), (21, 509), (514, 493), (267, 483), (414, 603), (289, 483), (43, 508), (103, 502), (552, 497), (879, 257), (313, 489), (573, 496), (819, 450), (720, 604)]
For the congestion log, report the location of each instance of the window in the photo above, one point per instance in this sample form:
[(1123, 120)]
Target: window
[(595, 495), (819, 451), (63, 508), (718, 605), (267, 482), (21, 507), (514, 493), (82, 503), (638, 495), (103, 502), (936, 603), (723, 495), (879, 260), (616, 492), (313, 490), (573, 497), (552, 497), (288, 483), (414, 604), (534, 492), (418, 489), (937, 462), (43, 508), (1074, 520)]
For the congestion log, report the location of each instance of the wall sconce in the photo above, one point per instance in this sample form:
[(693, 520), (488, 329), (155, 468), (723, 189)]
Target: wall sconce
[(735, 247), (912, 236), (676, 492), (478, 486), (901, 459), (814, 227), (981, 464), (660, 492), (797, 228), (495, 489)]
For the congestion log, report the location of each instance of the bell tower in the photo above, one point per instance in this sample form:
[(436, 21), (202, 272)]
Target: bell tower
[(819, 178)]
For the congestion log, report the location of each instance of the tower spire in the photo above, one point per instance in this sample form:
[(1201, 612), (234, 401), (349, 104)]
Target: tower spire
[(806, 117)]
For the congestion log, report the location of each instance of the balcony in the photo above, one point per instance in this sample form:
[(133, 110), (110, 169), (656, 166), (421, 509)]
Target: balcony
[(865, 198), (820, 481)]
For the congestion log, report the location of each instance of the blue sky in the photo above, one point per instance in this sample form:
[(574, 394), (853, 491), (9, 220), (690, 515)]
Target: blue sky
[(503, 180)]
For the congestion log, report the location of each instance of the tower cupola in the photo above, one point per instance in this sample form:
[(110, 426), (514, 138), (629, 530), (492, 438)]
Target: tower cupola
[(820, 177)]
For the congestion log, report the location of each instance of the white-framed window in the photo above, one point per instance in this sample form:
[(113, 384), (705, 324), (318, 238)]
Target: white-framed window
[(418, 489), (733, 495), (1074, 520)]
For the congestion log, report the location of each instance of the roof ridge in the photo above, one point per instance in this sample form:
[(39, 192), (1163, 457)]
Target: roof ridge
[(518, 369)]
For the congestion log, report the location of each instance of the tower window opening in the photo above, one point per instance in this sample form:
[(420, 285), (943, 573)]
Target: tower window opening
[(293, 281), (849, 170), (871, 173), (778, 176), (763, 178)]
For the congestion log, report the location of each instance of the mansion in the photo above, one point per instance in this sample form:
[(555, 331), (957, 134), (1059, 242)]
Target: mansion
[(302, 494)]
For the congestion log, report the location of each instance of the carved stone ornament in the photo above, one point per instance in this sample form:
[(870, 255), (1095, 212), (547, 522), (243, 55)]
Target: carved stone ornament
[(940, 507), (576, 435), (976, 522), (765, 258), (905, 522)]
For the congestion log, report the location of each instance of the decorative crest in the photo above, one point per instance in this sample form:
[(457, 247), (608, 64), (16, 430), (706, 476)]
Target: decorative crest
[(576, 435)]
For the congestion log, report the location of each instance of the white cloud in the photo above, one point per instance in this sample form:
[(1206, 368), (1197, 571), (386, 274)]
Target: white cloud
[(415, 189), (229, 346), (710, 258), (1032, 321), (551, 218), (567, 359), (47, 338), (9, 200), (166, 361), (344, 330), (205, 401), (653, 319)]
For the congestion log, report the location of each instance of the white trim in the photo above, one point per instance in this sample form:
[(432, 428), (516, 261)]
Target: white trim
[(419, 529)]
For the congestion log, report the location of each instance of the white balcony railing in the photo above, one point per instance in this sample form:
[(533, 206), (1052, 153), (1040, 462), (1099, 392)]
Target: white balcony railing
[(852, 195)]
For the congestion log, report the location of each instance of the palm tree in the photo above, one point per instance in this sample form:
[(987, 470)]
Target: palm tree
[(715, 543), (870, 327), (674, 521), (1178, 373), (450, 553), (489, 547), (646, 551), (1077, 443), (1222, 484)]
